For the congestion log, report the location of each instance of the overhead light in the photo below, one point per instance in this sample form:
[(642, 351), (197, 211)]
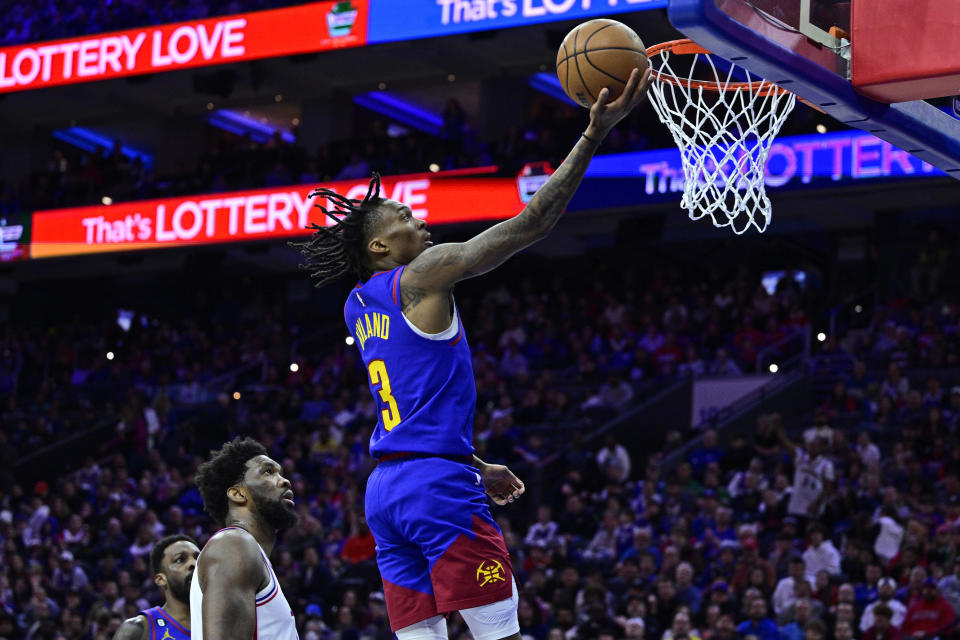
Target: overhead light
[(106, 200), (278, 98), (400, 110), (349, 340), (210, 106), (91, 141), (451, 78), (295, 122), (821, 128), (109, 355), (774, 368), (549, 84), (434, 167), (236, 395), (294, 367), (858, 308), (243, 125), (382, 86), (821, 337)]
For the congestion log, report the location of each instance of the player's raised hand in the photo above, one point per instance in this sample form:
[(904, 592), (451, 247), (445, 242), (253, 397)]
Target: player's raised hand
[(604, 114), (500, 484)]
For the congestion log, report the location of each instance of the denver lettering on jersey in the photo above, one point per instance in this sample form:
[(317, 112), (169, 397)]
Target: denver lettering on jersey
[(377, 327)]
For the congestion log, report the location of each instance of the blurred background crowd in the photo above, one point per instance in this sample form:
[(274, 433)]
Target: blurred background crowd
[(796, 528)]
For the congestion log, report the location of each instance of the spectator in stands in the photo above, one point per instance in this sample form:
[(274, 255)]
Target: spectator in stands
[(886, 588), (723, 366), (895, 385), (883, 628), (820, 555), (543, 532), (687, 593), (785, 593), (950, 586), (814, 630), (706, 453), (889, 531), (869, 452), (614, 460), (68, 576), (813, 478), (750, 560), (929, 615), (800, 615), (843, 630), (603, 547), (757, 623), (680, 628)]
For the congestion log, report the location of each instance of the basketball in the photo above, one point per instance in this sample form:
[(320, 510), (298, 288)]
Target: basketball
[(597, 54)]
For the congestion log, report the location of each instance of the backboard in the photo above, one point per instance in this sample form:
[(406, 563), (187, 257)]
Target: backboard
[(804, 47)]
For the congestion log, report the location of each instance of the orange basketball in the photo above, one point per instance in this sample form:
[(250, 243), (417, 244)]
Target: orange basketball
[(597, 54)]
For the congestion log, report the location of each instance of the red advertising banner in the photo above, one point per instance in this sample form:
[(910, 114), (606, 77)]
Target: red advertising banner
[(280, 212), (245, 36)]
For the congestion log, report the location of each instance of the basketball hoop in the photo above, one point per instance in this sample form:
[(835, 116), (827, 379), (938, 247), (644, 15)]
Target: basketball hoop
[(724, 126)]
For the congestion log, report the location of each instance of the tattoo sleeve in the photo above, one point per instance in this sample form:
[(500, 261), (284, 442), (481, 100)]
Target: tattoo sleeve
[(440, 267)]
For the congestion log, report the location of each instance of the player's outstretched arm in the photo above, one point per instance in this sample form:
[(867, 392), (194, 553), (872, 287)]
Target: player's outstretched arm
[(230, 574), (132, 629), (442, 266)]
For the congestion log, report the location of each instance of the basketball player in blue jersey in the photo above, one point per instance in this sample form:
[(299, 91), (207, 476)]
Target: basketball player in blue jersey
[(172, 561), (234, 593), (438, 548)]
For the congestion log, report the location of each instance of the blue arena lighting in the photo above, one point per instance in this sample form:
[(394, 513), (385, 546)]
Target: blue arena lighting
[(93, 142), (549, 84), (401, 111), (242, 125)]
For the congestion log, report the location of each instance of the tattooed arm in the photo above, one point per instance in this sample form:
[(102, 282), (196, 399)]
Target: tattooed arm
[(438, 268), (426, 284)]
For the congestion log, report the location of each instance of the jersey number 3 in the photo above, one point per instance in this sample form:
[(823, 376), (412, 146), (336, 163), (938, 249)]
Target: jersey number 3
[(378, 376)]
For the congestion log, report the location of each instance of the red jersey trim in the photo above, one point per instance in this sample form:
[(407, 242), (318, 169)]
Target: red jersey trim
[(396, 282)]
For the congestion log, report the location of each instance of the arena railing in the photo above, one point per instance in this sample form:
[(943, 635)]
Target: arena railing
[(66, 455), (231, 380), (656, 415), (787, 353), (725, 421), (858, 306)]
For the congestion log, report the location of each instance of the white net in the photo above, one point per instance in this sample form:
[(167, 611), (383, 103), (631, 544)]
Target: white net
[(724, 136)]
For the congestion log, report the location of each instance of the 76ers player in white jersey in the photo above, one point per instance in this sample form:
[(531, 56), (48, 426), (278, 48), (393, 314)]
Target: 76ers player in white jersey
[(235, 593)]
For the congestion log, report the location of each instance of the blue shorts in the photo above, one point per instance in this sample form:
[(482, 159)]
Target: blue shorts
[(438, 548)]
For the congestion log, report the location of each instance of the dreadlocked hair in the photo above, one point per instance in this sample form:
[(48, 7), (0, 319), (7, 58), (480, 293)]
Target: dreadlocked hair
[(333, 251)]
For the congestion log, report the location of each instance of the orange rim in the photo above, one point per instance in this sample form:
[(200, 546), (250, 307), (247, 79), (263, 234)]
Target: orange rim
[(688, 47)]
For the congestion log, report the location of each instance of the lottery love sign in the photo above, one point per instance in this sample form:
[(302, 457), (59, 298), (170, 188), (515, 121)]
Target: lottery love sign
[(306, 28)]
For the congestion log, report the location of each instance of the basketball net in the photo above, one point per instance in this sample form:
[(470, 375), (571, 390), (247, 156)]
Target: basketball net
[(724, 127)]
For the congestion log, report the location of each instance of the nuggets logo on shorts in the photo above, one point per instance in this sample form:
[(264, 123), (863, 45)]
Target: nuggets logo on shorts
[(491, 571)]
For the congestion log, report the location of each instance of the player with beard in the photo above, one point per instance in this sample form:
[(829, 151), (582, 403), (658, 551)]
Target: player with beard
[(234, 592), (172, 561)]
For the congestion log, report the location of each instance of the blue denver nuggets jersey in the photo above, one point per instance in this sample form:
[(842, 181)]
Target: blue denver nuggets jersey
[(163, 627), (422, 383)]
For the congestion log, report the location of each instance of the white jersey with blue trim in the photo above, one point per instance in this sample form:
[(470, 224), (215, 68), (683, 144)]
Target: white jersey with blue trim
[(274, 617)]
